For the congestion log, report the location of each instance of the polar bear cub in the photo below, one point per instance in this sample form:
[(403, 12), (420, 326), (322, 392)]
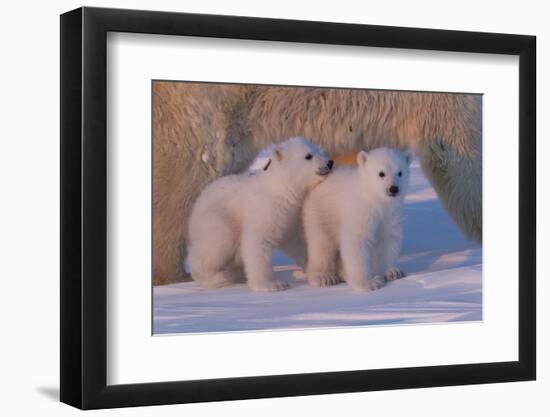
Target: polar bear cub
[(352, 222), (238, 220)]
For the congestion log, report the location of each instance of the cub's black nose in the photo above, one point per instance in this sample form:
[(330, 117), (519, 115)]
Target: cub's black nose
[(330, 163), (394, 189)]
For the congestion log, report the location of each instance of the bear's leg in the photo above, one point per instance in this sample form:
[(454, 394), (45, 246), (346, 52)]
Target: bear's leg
[(212, 277), (458, 180), (222, 278), (321, 263), (357, 262), (210, 256), (386, 251), (322, 251), (257, 256), (218, 280)]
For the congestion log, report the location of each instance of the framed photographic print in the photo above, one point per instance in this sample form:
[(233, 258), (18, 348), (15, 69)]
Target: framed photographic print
[(257, 208)]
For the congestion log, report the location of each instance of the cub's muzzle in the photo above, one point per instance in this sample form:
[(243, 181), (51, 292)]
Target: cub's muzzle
[(393, 191), (325, 170)]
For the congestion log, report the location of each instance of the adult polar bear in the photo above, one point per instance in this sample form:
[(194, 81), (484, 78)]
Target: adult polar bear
[(202, 131)]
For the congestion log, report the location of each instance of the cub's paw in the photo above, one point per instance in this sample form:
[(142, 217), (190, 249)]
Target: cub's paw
[(372, 284), (323, 279), (393, 274), (271, 286), (377, 282)]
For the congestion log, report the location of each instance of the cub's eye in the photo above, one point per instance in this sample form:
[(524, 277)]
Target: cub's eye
[(381, 174), (400, 173), (309, 156)]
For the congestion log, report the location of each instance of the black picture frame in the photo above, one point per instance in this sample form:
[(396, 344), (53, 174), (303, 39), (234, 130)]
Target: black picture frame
[(84, 207)]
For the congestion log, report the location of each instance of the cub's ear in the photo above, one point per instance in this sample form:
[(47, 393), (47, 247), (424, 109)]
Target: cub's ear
[(408, 156), (361, 158)]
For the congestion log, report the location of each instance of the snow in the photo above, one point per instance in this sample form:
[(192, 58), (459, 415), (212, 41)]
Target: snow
[(443, 284)]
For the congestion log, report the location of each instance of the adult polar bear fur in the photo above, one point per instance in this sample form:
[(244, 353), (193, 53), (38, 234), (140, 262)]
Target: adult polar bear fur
[(238, 220), (203, 131), (352, 222)]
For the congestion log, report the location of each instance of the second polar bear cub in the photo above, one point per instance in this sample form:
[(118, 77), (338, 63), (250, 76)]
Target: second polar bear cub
[(352, 222), (238, 220)]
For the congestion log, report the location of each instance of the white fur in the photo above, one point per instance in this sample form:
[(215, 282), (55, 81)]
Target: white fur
[(202, 131), (353, 227), (238, 220)]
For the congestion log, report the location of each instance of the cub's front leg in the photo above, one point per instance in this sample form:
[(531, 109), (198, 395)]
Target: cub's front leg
[(356, 254), (257, 254), (388, 248), (321, 257)]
